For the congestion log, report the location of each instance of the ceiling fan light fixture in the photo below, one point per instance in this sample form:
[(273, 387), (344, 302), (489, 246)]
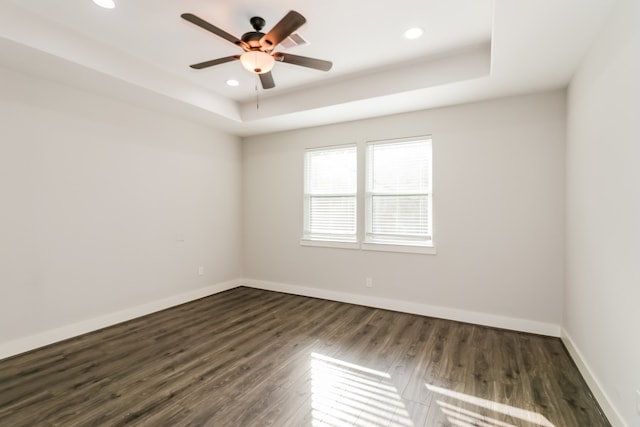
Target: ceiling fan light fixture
[(257, 62), (107, 4), (413, 33)]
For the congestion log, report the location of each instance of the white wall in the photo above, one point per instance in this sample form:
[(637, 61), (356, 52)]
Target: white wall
[(499, 216), (602, 300), (95, 196)]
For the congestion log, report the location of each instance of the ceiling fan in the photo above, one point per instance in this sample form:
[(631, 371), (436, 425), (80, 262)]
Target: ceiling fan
[(258, 56)]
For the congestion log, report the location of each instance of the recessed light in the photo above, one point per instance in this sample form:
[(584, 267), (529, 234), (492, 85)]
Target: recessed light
[(107, 4), (233, 83), (413, 33)]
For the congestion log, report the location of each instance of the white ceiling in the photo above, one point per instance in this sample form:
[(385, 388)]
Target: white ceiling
[(141, 49)]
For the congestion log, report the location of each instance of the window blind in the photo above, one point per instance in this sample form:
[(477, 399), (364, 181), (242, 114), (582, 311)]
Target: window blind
[(398, 192), (330, 194)]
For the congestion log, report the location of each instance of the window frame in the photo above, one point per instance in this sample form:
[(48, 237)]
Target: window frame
[(328, 240), (396, 240), (361, 242)]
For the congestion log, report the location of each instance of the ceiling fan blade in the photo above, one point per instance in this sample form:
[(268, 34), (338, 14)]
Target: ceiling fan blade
[(283, 29), (213, 29), (267, 80), (205, 64), (304, 61)]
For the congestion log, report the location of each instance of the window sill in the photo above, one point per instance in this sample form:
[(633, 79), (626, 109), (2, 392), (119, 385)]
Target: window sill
[(413, 249), (380, 247), (330, 244)]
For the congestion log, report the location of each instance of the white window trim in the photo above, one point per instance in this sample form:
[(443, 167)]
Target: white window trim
[(379, 247), (412, 249), (329, 244)]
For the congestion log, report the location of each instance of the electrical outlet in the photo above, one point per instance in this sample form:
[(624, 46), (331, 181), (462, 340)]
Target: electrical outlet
[(200, 271), (368, 282)]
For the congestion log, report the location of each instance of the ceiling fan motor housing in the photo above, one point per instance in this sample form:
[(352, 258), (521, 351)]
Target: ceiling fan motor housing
[(252, 39)]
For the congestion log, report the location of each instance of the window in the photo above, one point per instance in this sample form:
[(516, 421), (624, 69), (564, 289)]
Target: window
[(398, 192), (396, 195), (330, 194)]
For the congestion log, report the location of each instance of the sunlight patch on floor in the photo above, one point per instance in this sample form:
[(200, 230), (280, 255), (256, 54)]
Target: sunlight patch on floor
[(462, 417), (346, 394)]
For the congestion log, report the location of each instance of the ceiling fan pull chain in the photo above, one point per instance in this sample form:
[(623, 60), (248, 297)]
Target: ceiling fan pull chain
[(257, 94)]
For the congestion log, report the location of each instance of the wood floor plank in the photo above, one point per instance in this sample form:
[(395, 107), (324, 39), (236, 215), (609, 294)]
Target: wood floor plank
[(247, 357)]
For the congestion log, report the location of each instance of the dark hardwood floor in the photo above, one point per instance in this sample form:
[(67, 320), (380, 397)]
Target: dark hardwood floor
[(247, 357)]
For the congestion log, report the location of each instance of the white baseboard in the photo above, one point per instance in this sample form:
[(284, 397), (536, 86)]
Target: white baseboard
[(20, 345), (598, 392), (516, 324)]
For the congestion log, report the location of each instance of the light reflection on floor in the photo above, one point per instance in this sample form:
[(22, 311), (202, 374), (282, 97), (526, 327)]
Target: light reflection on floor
[(461, 417), (345, 394)]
